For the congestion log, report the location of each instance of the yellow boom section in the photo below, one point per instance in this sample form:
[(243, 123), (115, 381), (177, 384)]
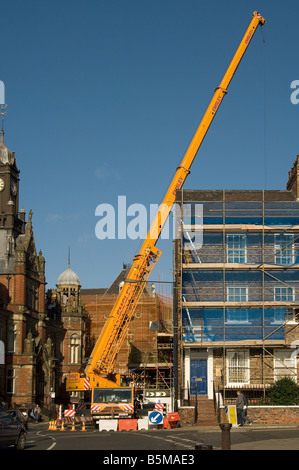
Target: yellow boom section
[(110, 341)]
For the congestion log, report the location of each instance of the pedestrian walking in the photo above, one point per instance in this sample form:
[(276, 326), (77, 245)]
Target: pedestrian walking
[(241, 405), (245, 418), (36, 412)]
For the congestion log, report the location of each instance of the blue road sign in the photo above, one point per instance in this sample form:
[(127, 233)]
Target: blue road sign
[(155, 417)]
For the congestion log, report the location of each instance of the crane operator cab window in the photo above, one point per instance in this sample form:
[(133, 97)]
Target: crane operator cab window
[(112, 395)]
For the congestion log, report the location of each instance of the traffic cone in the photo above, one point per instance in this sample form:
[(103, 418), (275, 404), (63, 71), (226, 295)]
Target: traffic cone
[(83, 427), (54, 426), (50, 426), (62, 427), (73, 427)]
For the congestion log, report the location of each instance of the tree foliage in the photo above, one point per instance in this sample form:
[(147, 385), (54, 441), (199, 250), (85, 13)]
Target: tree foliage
[(284, 391)]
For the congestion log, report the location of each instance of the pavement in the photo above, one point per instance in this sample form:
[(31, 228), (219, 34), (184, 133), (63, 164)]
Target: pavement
[(256, 437)]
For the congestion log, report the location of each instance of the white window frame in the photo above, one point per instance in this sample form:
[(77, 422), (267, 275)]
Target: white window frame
[(285, 364), (243, 316), (237, 252), (286, 317), (241, 370), (75, 349), (284, 256), (290, 295), (235, 287)]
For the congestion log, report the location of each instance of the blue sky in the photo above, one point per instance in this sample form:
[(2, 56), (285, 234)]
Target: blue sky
[(104, 97)]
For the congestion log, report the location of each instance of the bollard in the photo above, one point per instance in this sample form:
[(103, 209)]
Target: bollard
[(203, 447), (225, 428)]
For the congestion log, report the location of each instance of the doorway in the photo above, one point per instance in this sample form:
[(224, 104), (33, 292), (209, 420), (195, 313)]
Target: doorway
[(198, 377)]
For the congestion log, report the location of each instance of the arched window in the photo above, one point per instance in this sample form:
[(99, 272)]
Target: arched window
[(75, 349)]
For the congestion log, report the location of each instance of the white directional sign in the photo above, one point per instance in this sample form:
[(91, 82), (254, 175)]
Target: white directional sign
[(155, 417)]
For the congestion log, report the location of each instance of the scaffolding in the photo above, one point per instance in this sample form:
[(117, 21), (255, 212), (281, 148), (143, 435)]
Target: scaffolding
[(242, 298), (146, 354)]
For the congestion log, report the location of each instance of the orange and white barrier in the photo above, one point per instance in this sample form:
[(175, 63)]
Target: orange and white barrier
[(70, 413), (128, 407), (108, 424), (159, 407), (143, 424), (95, 408), (79, 419), (127, 424)]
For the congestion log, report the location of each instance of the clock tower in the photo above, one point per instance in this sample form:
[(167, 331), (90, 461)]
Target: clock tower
[(10, 219)]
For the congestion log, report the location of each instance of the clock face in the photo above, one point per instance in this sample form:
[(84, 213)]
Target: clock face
[(1, 184)]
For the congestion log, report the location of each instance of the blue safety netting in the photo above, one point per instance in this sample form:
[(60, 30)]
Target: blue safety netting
[(207, 324), (248, 266)]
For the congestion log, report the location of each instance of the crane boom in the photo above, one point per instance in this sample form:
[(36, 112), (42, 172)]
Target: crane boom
[(109, 343), (103, 357)]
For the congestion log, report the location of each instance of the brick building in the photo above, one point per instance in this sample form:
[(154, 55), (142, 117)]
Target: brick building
[(46, 335), (41, 334), (237, 292), (22, 294), (147, 350), (64, 307)]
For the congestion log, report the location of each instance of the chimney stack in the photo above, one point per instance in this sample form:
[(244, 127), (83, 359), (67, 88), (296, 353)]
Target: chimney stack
[(293, 183)]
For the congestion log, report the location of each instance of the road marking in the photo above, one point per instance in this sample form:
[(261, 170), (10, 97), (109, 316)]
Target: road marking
[(176, 440), (52, 445), (40, 433)]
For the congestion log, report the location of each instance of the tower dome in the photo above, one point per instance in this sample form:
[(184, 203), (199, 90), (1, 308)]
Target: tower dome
[(68, 278)]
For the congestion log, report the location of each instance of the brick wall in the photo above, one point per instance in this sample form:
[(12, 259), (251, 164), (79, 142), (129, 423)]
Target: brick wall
[(267, 415), (274, 415), (187, 415)]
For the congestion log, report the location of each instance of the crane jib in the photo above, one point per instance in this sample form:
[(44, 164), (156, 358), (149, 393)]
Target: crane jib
[(124, 299), (249, 36), (217, 103), (178, 185), (108, 345)]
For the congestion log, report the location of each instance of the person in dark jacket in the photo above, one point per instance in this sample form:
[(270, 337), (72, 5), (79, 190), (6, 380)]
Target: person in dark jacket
[(245, 406), (241, 405)]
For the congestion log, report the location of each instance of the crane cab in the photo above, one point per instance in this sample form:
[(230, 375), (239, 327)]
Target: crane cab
[(110, 403)]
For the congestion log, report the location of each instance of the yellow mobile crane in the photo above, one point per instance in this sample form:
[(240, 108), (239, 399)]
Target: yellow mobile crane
[(108, 396)]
